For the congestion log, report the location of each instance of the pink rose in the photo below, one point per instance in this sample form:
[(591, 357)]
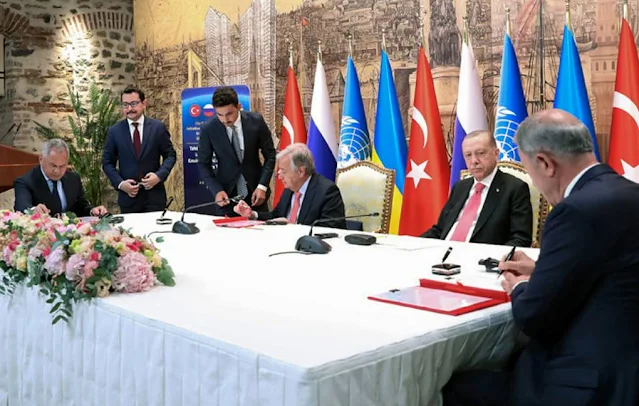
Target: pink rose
[(134, 273)]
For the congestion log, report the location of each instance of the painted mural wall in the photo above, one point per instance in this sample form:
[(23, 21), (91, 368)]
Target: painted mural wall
[(213, 42)]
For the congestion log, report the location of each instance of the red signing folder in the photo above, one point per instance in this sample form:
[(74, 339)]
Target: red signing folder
[(237, 222), (443, 297)]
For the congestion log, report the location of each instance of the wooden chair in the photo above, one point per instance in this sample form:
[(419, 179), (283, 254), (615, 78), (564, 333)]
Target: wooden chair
[(367, 187)]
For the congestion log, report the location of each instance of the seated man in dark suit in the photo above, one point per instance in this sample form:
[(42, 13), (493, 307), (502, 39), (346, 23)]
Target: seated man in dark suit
[(308, 195), (578, 304), (51, 188), (491, 207)]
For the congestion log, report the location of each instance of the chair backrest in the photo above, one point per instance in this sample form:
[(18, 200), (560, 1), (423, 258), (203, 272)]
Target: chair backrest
[(537, 200), (367, 187)]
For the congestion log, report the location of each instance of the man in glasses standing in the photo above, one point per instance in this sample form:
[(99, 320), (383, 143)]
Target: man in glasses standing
[(141, 149)]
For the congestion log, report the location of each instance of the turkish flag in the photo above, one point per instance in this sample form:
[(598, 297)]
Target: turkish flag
[(428, 171), (623, 155), (293, 126)]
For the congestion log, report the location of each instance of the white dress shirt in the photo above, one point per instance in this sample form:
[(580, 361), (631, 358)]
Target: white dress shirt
[(63, 197), (240, 136), (303, 193), (487, 181), (140, 127)]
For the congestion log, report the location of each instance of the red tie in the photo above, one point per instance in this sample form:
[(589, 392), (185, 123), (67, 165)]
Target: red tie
[(137, 144), (469, 214), (292, 217)]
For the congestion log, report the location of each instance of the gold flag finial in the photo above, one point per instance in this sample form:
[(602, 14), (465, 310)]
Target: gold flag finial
[(508, 21), (422, 35), (290, 51), (568, 15), (624, 9), (319, 49), (384, 39), (350, 45), (465, 30)]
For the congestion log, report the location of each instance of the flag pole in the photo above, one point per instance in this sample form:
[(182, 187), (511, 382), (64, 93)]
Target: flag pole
[(350, 45), (465, 30), (508, 29), (568, 15), (290, 51), (384, 39), (319, 50), (422, 34)]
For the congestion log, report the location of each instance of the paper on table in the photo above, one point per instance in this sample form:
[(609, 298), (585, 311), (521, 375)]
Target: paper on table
[(435, 299)]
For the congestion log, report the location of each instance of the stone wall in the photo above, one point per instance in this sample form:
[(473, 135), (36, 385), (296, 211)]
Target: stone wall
[(50, 45)]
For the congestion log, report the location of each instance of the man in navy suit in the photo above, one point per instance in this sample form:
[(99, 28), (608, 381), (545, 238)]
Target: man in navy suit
[(578, 304), (141, 148), (50, 188), (236, 138), (308, 195)]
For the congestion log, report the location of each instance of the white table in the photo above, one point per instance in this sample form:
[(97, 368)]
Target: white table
[(242, 328)]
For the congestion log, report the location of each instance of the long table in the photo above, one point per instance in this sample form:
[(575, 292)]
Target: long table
[(245, 328)]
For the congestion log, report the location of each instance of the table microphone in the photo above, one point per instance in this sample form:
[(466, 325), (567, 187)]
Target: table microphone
[(182, 227), (315, 245)]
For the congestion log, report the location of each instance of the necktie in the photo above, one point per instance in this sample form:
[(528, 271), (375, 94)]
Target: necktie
[(57, 203), (469, 214), (242, 187), (137, 143), (292, 217)]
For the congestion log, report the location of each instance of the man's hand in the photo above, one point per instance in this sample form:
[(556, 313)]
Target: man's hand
[(519, 264), (510, 280), (222, 198), (243, 209), (41, 209), (130, 187), (99, 211), (258, 197), (150, 180)]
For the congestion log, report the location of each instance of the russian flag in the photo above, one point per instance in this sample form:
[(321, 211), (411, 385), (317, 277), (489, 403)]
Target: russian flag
[(471, 111), (322, 140)]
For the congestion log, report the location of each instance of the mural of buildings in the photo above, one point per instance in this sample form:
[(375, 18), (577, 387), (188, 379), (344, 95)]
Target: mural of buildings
[(222, 56)]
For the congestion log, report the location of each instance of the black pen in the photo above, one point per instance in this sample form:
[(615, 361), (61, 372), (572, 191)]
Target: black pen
[(508, 258), (448, 251)]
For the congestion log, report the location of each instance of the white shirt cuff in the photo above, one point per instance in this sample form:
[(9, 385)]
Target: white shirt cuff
[(262, 187), (120, 185)]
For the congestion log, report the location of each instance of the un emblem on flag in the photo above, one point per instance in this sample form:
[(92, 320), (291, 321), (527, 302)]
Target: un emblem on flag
[(506, 127), (354, 145)]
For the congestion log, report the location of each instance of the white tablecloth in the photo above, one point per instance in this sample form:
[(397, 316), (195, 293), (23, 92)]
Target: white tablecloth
[(242, 328)]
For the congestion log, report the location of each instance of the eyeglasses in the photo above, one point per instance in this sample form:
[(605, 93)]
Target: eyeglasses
[(132, 104)]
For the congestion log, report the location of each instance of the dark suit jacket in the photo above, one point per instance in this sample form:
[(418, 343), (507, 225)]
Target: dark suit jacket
[(215, 139), (32, 189), (505, 218), (580, 308), (322, 201), (118, 150)]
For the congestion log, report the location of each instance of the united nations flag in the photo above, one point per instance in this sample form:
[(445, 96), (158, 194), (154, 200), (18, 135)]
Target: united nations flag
[(354, 142)]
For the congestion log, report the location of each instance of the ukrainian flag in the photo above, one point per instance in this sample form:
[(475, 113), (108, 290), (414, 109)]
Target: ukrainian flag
[(389, 143)]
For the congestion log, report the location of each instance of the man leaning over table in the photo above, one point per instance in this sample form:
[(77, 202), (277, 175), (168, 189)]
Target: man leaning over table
[(50, 188), (490, 207), (308, 196), (578, 304)]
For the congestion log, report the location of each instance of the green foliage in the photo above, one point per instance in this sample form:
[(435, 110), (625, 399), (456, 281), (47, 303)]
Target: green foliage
[(89, 126)]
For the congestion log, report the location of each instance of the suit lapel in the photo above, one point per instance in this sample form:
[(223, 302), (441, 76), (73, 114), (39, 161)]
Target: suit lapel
[(492, 200), (147, 133), (464, 190), (285, 202), (67, 187), (42, 184), (126, 133), (308, 199)]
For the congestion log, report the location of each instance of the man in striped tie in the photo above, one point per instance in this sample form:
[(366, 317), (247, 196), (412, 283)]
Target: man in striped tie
[(490, 207), (308, 196)]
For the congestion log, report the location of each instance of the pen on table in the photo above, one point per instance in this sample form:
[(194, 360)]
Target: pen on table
[(448, 251), (508, 258)]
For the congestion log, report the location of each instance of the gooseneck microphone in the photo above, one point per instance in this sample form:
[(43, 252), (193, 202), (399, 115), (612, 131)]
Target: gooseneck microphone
[(315, 245), (164, 220), (182, 227)]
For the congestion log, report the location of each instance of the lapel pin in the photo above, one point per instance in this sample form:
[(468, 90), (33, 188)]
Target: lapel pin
[(497, 190)]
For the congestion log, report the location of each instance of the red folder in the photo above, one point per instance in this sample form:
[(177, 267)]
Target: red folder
[(237, 222), (443, 297)]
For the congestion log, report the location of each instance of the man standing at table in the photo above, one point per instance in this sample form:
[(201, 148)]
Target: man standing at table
[(308, 195), (578, 303), (491, 207), (50, 188), (136, 145), (236, 138)]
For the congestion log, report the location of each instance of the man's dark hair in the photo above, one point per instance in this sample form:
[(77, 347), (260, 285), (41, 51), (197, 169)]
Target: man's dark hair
[(225, 96), (130, 90)]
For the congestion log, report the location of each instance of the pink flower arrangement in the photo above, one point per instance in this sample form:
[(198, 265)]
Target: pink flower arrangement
[(70, 260)]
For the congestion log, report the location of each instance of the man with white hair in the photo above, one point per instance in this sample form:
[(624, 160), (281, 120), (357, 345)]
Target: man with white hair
[(308, 195), (50, 188)]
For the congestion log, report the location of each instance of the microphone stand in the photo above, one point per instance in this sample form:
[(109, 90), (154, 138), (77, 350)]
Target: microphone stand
[(182, 227), (315, 245)]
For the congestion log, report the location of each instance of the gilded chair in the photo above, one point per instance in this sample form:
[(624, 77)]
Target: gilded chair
[(366, 188), (539, 203)]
